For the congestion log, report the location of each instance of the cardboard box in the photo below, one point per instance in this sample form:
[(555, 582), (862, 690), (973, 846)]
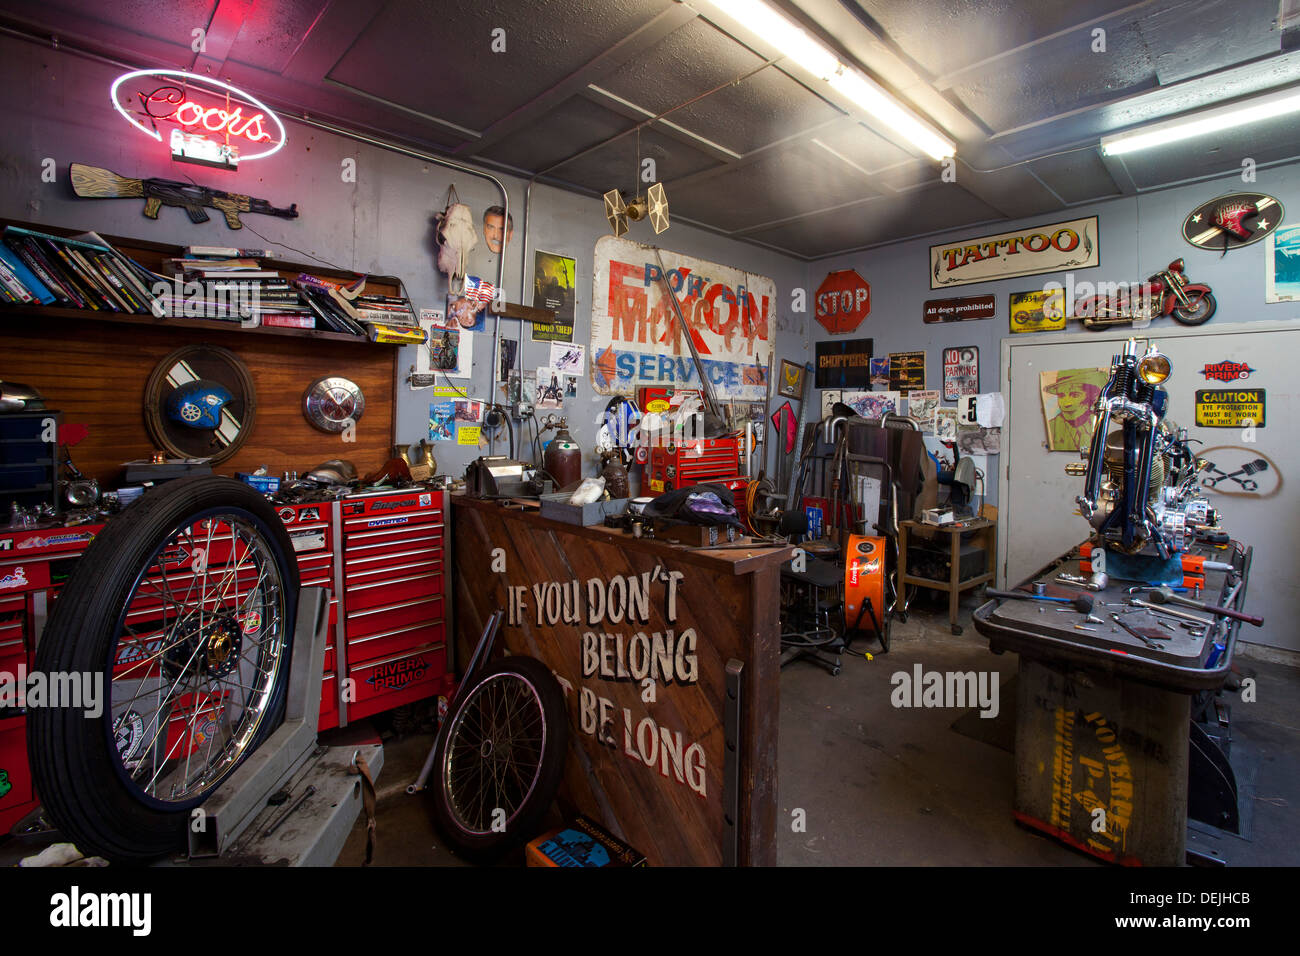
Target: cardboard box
[(581, 843)]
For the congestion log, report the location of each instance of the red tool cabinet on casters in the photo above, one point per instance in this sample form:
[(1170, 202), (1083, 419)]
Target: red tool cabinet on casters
[(382, 555), (390, 569)]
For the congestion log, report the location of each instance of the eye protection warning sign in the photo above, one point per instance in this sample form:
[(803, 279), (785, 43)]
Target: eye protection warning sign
[(1229, 407)]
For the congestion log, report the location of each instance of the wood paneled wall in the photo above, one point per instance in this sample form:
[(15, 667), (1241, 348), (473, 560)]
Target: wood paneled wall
[(95, 372)]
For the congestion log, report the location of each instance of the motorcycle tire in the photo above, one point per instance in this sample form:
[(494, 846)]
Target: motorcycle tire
[(1203, 311), (122, 610), (499, 758)]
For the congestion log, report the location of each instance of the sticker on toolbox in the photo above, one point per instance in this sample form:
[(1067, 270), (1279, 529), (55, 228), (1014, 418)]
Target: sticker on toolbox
[(309, 514), (307, 539), (287, 515), (814, 522), (381, 522), (6, 544), (16, 579), (5, 785), (397, 674), (392, 505), (426, 500), (55, 540), (354, 507)]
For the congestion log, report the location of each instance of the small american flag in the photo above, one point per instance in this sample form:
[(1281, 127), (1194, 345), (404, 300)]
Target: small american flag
[(479, 290)]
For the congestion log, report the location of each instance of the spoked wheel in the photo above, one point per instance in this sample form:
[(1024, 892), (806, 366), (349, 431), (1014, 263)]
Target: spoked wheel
[(500, 755), (1203, 307), (182, 612)]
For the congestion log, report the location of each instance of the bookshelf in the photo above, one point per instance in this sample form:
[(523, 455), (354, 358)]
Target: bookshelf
[(94, 367), (152, 255)]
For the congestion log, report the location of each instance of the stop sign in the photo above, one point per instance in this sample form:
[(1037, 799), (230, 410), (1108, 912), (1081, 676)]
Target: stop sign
[(843, 300)]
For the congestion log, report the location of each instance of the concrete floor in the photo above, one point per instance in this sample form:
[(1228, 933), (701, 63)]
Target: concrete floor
[(881, 786)]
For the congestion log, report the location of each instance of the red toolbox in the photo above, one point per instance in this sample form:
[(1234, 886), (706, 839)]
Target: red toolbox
[(381, 555)]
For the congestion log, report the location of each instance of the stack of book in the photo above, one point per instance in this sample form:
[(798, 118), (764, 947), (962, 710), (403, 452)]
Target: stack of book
[(231, 284), (84, 272), (390, 310), (344, 308)]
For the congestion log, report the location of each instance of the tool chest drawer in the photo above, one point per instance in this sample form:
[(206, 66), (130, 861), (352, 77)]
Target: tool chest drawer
[(388, 617), (363, 650), (428, 557), (413, 674), (391, 588)]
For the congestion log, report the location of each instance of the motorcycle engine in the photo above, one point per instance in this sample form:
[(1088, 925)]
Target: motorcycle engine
[(1166, 514)]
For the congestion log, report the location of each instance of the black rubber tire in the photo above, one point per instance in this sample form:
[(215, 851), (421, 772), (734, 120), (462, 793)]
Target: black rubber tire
[(542, 691), (76, 771), (1201, 315)]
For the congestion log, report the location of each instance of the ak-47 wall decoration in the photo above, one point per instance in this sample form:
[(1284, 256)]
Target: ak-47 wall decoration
[(91, 182)]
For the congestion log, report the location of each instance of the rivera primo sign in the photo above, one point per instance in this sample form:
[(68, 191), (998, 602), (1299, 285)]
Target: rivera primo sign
[(1026, 252)]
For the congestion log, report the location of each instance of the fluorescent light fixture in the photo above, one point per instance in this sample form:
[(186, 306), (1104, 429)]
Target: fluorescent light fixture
[(1207, 121), (795, 43)]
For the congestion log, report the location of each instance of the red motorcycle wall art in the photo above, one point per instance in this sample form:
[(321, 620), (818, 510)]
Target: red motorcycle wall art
[(1168, 292)]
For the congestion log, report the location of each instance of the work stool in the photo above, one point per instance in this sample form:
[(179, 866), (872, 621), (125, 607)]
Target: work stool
[(812, 613)]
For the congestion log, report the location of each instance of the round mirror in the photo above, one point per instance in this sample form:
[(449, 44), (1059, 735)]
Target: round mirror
[(200, 403)]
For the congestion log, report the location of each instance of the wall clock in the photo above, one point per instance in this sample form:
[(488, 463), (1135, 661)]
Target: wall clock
[(333, 403)]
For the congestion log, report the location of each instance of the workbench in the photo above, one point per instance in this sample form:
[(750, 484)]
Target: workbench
[(1103, 758), (669, 660)]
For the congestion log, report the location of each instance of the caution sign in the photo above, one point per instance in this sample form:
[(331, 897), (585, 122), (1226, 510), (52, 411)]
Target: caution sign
[(1229, 407)]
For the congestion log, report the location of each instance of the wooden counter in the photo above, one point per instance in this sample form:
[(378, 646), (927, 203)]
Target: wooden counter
[(648, 678)]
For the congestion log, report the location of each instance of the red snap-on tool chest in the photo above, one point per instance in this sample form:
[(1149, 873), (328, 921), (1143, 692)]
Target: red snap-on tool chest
[(381, 555)]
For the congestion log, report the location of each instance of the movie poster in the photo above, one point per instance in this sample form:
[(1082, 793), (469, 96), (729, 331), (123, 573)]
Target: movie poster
[(555, 289), (906, 372)]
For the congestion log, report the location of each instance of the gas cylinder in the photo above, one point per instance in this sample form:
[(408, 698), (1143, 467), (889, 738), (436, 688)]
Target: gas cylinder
[(563, 458)]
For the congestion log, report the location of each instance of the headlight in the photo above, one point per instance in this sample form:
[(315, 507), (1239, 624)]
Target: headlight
[(1154, 367)]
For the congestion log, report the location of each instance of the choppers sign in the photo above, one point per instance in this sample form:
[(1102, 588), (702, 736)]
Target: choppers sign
[(636, 340), (1027, 252), (204, 120)]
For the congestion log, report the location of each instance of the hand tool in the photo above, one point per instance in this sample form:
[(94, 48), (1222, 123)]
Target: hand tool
[(1097, 582), (1165, 596), (1140, 636), (1082, 602), (1178, 614)]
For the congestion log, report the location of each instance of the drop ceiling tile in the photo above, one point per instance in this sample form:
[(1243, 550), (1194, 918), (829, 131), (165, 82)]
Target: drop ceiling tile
[(1192, 39), (688, 62), (272, 31), (758, 111), (1056, 77), (945, 36), (787, 183), (438, 58), (573, 126), (172, 21), (879, 221), (616, 165), (1076, 177), (863, 147)]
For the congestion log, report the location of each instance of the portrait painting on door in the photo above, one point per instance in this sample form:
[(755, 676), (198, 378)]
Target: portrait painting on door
[(1069, 397)]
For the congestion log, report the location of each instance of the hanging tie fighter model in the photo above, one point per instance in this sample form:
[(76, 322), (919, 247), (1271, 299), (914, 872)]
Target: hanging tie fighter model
[(654, 205)]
